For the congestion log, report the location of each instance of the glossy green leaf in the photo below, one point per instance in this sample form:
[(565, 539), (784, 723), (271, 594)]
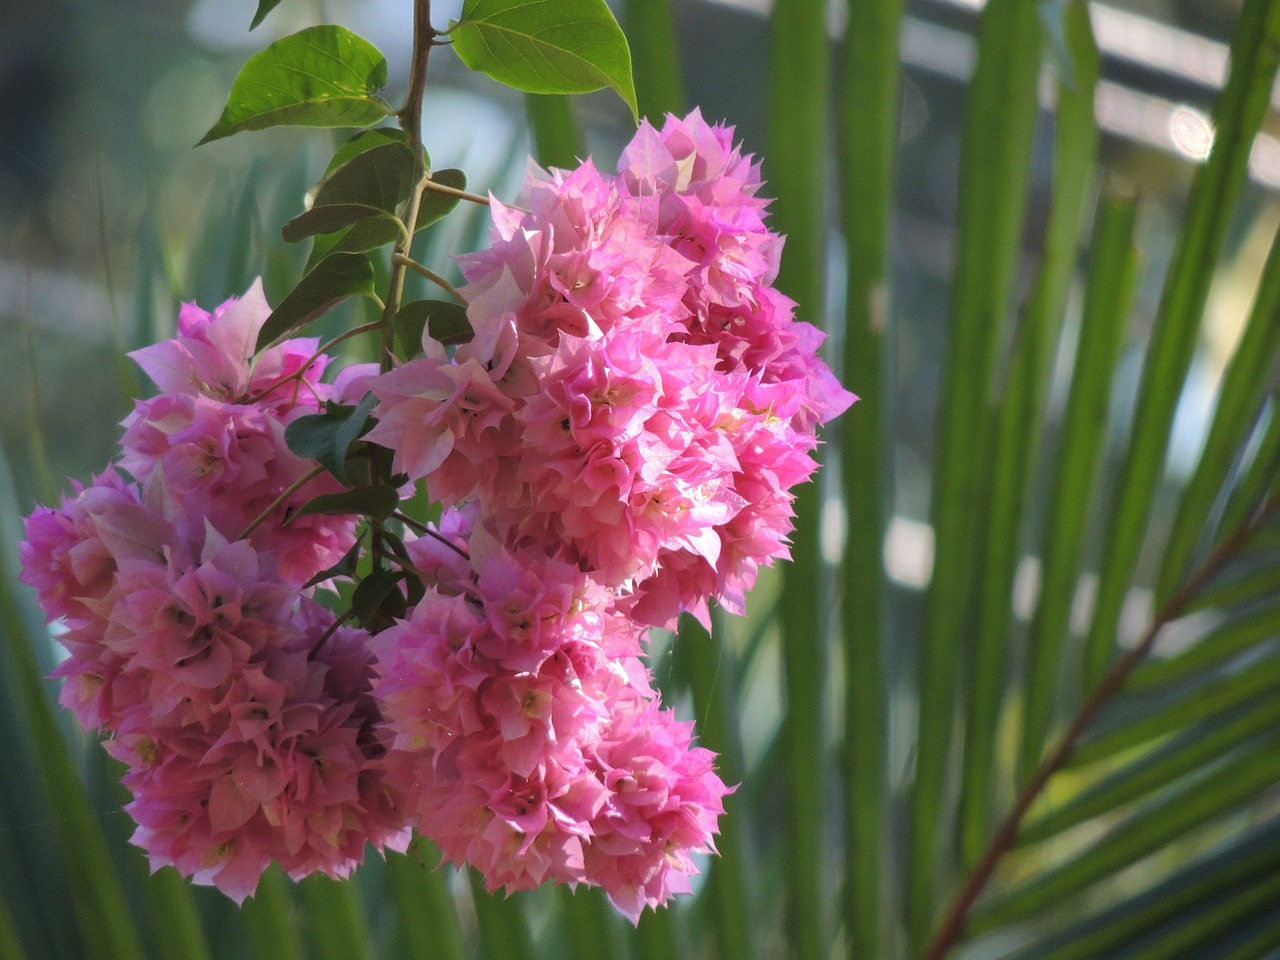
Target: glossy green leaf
[(337, 277), (1018, 426), (1255, 55), (363, 142), (323, 76), (995, 157), (566, 46), (1113, 270), (378, 501)]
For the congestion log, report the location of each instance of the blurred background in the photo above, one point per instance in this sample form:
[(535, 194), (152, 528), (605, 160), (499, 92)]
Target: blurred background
[(109, 218)]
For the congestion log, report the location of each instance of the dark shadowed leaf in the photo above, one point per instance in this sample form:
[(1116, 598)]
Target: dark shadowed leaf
[(376, 501), (323, 76), (570, 46), (264, 8), (435, 205), (326, 437), (334, 279), (446, 320), (377, 600), (362, 142), (371, 185)]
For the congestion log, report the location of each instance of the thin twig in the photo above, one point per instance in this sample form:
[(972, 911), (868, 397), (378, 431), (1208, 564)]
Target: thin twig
[(953, 924), (448, 191), (411, 523), (288, 492), (333, 628), (301, 371), (431, 275)]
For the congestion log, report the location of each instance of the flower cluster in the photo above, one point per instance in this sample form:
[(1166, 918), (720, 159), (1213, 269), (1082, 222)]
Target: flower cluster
[(637, 398), (616, 444), (243, 713)]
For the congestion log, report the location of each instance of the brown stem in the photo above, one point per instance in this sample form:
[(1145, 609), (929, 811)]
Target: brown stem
[(410, 117), (953, 924), (285, 494)]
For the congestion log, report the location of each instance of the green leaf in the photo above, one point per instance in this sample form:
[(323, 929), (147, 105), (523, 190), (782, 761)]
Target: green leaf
[(424, 904), (377, 599), (334, 920), (369, 228), (1241, 863), (1017, 430), (546, 46), (334, 279), (363, 142), (868, 133), (656, 61), (994, 164), (270, 916), (1230, 640), (327, 437), (446, 320), (10, 945), (1195, 749), (1131, 724), (799, 83), (1238, 115), (557, 135), (370, 185), (1147, 830), (1113, 272), (98, 893), (323, 76), (378, 501), (435, 206), (1243, 386), (1260, 471), (503, 928), (704, 656), (264, 8)]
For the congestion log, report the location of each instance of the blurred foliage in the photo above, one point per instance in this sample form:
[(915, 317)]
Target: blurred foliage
[(1158, 839)]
